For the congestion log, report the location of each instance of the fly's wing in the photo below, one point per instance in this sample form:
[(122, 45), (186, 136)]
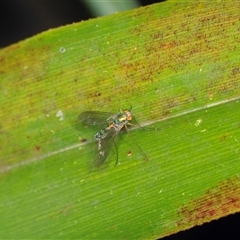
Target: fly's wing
[(104, 147), (95, 117)]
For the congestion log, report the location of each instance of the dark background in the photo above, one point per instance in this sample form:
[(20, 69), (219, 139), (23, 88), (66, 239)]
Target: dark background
[(22, 19)]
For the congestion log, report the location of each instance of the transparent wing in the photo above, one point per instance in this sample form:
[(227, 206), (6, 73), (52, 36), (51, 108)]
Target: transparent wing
[(95, 117), (104, 147)]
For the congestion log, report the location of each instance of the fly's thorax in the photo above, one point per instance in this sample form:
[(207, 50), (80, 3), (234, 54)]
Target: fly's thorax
[(120, 118), (123, 117)]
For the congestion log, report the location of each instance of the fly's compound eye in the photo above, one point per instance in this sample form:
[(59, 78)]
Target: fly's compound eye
[(129, 118), (128, 115)]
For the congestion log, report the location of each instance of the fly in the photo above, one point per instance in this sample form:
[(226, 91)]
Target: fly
[(105, 138)]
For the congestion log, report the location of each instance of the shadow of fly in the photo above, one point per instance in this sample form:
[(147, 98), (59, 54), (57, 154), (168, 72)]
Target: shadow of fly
[(105, 138)]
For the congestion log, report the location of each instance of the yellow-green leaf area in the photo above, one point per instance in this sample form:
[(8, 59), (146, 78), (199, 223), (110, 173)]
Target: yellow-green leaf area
[(178, 65)]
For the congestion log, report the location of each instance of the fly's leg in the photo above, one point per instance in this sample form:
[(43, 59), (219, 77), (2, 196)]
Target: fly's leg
[(139, 148), (115, 145)]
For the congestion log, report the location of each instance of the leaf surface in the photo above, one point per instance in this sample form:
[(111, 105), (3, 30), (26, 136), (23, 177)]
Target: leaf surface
[(178, 65)]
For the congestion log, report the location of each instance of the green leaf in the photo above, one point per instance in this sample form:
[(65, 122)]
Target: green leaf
[(178, 65)]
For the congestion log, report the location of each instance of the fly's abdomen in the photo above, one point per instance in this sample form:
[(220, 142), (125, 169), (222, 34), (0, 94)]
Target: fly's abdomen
[(101, 134)]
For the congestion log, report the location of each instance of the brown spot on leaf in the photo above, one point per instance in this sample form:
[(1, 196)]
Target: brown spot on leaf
[(236, 71), (217, 202), (223, 137), (129, 153), (66, 210), (94, 94), (83, 140), (38, 148)]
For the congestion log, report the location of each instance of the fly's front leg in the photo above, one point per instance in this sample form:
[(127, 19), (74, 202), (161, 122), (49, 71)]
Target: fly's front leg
[(130, 124)]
